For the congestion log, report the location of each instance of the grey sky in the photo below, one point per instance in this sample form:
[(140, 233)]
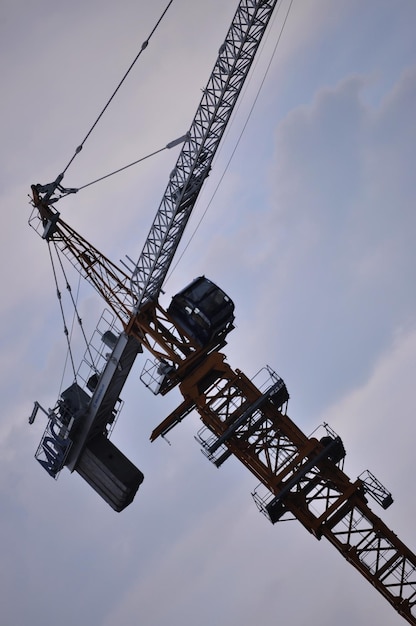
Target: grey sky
[(310, 232)]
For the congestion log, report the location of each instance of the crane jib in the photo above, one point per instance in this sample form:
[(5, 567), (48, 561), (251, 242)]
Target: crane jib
[(233, 63)]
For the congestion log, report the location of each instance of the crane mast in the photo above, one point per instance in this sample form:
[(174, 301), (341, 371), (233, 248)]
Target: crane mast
[(299, 477)]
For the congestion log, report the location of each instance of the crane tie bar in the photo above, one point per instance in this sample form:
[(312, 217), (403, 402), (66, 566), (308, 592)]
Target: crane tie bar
[(169, 145), (143, 47)]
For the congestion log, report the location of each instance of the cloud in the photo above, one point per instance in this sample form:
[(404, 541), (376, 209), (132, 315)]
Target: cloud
[(376, 419), (333, 273)]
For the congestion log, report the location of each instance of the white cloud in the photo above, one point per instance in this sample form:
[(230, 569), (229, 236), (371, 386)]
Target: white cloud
[(338, 257)]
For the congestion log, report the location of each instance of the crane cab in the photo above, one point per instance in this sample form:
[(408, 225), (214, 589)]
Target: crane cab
[(203, 311)]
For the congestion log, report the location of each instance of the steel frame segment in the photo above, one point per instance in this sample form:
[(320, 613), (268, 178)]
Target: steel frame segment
[(267, 438), (153, 327), (322, 497), (368, 544), (193, 387), (318, 492), (111, 282), (345, 519), (194, 162)]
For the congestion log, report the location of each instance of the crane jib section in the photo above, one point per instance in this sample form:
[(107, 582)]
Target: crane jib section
[(194, 162)]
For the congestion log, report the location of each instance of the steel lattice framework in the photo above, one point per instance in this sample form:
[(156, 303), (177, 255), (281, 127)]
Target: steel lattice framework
[(194, 163), (300, 477), (111, 282)]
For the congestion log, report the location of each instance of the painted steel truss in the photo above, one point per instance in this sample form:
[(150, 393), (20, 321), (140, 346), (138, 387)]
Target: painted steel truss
[(194, 163), (300, 477)]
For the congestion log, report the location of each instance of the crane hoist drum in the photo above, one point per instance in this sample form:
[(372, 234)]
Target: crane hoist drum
[(203, 311)]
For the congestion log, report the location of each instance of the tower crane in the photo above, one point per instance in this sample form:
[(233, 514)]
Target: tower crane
[(299, 476)]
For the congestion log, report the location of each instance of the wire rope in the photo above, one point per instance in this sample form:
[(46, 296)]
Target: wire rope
[(74, 304), (59, 295), (143, 47), (171, 144), (70, 336), (97, 180), (76, 315)]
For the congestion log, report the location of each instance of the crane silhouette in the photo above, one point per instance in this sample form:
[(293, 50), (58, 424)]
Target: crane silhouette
[(299, 476)]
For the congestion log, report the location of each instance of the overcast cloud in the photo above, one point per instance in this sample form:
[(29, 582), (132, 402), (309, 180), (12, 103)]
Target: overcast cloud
[(311, 232)]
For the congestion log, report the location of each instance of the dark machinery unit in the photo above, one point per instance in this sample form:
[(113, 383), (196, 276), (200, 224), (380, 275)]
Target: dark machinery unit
[(113, 476), (203, 311)]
